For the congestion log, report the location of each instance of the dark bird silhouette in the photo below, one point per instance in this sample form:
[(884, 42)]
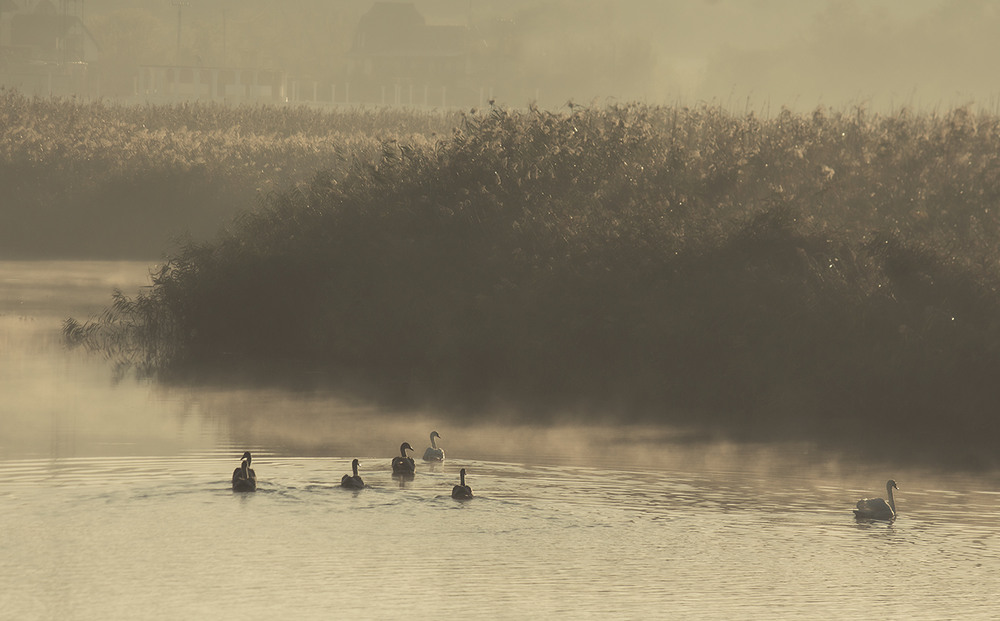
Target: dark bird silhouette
[(244, 478), (433, 453), (878, 508), (352, 482), (403, 465), (461, 491)]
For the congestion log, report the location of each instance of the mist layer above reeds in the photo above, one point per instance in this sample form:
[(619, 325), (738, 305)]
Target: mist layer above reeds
[(829, 276), (102, 180)]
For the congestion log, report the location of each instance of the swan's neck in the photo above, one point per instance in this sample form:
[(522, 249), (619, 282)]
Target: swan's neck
[(244, 467), (892, 503), (354, 467), (433, 443), (462, 475)]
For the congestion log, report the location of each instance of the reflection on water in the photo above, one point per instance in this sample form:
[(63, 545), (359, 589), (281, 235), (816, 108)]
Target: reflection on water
[(115, 503), (103, 537), (45, 289)]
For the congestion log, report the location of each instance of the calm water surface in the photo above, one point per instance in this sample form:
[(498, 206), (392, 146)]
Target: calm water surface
[(115, 504)]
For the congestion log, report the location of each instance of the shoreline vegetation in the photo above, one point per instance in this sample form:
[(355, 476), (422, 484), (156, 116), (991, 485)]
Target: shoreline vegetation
[(831, 276)]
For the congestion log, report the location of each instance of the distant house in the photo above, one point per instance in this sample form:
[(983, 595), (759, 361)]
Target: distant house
[(46, 34), (393, 43), (46, 50)]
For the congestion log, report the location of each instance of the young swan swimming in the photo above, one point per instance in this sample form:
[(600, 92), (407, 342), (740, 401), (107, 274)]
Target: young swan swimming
[(461, 491), (403, 465), (244, 478), (433, 453), (878, 508), (352, 482)]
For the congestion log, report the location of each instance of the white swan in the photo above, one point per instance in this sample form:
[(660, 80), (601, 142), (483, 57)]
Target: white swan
[(461, 491), (433, 453), (403, 465), (244, 478), (352, 482), (878, 508)]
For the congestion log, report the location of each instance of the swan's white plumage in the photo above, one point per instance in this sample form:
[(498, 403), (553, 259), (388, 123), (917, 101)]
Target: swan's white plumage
[(878, 508), (433, 453)]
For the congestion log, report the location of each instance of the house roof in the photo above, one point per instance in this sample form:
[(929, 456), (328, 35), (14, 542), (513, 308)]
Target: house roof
[(398, 29), (391, 14), (43, 28), (425, 41)]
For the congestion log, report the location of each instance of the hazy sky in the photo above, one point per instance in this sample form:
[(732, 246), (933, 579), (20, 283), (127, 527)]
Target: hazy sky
[(758, 53)]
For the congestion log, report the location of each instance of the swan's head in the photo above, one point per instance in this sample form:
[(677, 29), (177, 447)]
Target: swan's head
[(405, 446), (355, 463), (435, 434), (246, 456), (891, 484)]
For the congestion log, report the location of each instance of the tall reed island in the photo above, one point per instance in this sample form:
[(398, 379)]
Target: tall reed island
[(832, 275)]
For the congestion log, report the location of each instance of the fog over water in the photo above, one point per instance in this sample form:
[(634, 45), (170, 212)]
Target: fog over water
[(115, 502), (115, 495), (761, 54)]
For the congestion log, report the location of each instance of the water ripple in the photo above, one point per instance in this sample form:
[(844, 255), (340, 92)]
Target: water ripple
[(536, 541)]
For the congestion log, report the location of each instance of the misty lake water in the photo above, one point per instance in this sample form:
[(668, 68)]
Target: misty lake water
[(115, 503)]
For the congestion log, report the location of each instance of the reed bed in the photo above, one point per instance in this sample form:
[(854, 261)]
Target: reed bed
[(832, 275), (98, 179)]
